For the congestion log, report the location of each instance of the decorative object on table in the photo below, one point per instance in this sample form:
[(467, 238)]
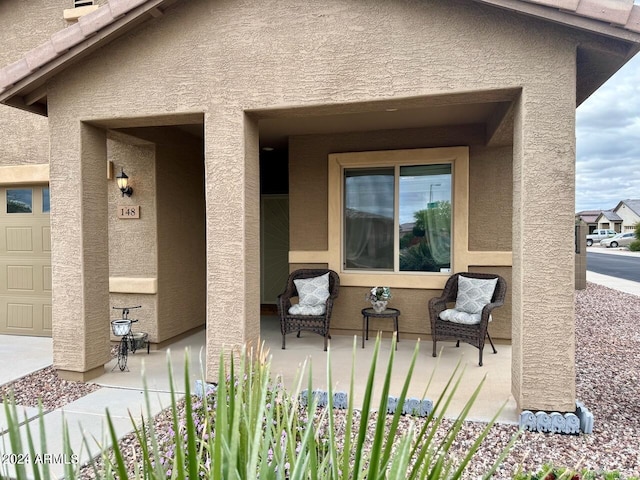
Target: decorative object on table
[(379, 296)]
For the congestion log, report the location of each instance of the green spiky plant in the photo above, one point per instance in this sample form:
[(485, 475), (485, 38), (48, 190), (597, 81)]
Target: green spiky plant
[(254, 428)]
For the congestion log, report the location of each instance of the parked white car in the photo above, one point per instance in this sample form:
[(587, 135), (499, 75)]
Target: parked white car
[(620, 240)]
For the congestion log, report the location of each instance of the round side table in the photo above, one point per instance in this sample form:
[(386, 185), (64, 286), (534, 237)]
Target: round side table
[(367, 313)]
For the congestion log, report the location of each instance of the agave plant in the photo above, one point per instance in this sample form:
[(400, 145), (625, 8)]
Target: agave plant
[(254, 428)]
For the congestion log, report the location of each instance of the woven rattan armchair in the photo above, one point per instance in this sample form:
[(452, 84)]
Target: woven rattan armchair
[(472, 334), (319, 324)]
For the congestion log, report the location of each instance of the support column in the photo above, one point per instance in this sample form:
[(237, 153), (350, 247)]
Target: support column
[(543, 333), (80, 258), (232, 182)]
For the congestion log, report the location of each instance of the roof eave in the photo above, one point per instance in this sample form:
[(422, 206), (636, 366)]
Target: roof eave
[(597, 62), (28, 93), (629, 32)]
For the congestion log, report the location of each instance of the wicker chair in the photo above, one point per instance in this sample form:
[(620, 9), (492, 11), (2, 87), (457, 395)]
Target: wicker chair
[(319, 324), (472, 334)]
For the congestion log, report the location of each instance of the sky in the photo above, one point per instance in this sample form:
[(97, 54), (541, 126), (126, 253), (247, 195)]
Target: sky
[(608, 142)]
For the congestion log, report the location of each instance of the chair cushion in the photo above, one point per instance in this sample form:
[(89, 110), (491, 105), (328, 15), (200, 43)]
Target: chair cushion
[(313, 291), (456, 316), (474, 293), (307, 309)]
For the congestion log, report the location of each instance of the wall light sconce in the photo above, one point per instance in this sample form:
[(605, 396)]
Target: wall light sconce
[(123, 183)]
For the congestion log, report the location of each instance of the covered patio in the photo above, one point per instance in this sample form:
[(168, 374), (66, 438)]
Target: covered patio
[(488, 119), (288, 363)]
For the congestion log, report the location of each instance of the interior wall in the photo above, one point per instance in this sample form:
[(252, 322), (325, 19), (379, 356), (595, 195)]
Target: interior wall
[(181, 239)]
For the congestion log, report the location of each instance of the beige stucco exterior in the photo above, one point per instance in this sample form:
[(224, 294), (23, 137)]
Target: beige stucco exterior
[(229, 68), (24, 25)]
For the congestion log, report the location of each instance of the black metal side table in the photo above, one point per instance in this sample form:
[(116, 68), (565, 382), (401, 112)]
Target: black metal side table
[(387, 313)]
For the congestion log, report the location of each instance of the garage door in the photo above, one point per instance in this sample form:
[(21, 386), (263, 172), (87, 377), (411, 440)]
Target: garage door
[(25, 261)]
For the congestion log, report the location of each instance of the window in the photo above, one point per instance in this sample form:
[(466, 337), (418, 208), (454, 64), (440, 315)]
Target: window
[(425, 205), (412, 200), (399, 217), (368, 218), (46, 207), (19, 200)]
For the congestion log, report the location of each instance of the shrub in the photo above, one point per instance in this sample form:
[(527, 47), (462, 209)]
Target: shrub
[(254, 428), (635, 246)]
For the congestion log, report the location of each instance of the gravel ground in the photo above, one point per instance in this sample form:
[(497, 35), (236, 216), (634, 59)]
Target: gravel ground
[(45, 385), (608, 371)]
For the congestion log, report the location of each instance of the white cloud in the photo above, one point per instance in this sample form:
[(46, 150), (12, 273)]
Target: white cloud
[(608, 142)]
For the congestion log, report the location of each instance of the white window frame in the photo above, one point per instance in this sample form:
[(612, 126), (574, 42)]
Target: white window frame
[(458, 157)]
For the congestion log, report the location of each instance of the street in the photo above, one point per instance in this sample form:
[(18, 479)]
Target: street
[(619, 266)]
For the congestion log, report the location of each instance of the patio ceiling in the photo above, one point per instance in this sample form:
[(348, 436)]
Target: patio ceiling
[(490, 109)]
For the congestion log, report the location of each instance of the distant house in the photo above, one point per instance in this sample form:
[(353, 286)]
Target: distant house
[(629, 212), (623, 218), (590, 217), (609, 219), (407, 228)]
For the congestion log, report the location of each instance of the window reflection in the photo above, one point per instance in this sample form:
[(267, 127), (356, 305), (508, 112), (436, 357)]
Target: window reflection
[(19, 200), (45, 200), (425, 218), (423, 215), (368, 217)]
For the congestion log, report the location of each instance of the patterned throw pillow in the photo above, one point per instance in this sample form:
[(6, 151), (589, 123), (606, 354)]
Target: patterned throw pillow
[(474, 293), (313, 291)]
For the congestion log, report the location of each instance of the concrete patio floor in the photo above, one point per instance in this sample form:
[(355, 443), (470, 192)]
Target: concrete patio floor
[(309, 347), (123, 391)]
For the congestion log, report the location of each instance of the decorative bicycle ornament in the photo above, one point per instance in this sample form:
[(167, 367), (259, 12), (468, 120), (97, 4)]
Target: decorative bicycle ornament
[(129, 341)]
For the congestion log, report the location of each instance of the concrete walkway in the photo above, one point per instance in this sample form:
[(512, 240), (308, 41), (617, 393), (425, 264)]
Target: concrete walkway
[(122, 394), (20, 356)]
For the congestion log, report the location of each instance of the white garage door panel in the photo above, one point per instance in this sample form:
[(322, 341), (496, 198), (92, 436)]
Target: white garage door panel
[(28, 318), (25, 277), (25, 266)]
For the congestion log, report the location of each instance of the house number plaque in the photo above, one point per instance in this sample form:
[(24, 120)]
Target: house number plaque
[(129, 211)]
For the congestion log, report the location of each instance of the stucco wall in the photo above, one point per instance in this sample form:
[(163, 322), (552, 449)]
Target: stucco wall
[(80, 258), (180, 239), (24, 25), (132, 242), (224, 58), (491, 198), (133, 247)]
